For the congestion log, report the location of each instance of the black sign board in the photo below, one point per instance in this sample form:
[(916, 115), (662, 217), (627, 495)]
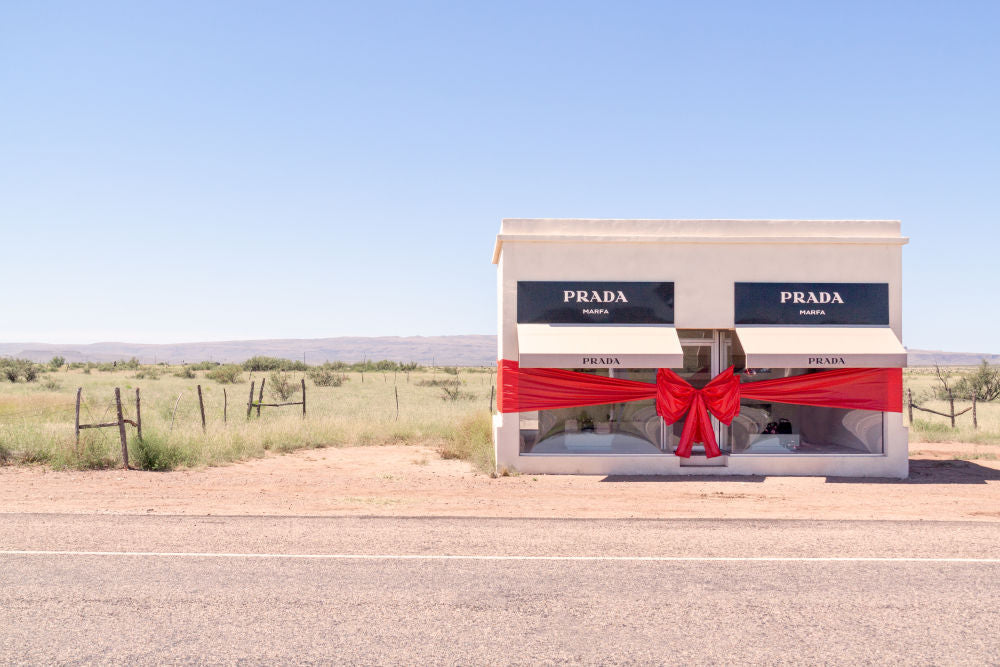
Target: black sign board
[(572, 302), (812, 303)]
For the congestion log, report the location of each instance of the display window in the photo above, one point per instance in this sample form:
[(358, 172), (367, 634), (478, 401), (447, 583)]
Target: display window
[(783, 428), (613, 428), (760, 428)]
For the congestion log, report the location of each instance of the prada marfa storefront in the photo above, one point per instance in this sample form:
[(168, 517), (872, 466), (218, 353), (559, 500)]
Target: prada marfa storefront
[(700, 347)]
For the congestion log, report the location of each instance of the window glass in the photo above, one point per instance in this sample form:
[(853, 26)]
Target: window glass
[(783, 428), (613, 428)]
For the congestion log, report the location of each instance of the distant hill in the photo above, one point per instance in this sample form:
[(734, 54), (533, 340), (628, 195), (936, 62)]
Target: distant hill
[(931, 357), (471, 350)]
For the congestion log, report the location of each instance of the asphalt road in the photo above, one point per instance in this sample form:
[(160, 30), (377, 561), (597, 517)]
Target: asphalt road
[(155, 589)]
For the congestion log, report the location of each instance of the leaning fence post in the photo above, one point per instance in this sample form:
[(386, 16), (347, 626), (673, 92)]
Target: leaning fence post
[(225, 406), (201, 406), (303, 398), (260, 396), (138, 414), (76, 429), (250, 402), (121, 426), (975, 420), (909, 396), (951, 400), (395, 390), (492, 393)]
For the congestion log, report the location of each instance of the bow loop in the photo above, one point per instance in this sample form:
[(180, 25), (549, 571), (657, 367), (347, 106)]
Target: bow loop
[(675, 398)]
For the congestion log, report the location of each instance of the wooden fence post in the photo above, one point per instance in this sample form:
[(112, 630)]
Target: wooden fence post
[(121, 426), (138, 414), (260, 396), (909, 396), (303, 398), (79, 391), (225, 406), (201, 406), (395, 390), (975, 420), (951, 401), (492, 393), (250, 401)]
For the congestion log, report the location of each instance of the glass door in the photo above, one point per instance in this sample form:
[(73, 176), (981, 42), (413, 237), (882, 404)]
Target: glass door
[(700, 365)]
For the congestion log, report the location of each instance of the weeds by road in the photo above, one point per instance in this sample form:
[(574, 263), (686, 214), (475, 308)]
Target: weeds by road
[(36, 420)]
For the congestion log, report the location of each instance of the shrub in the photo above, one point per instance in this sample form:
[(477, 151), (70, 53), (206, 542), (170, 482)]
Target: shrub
[(226, 374), (16, 369), (456, 394), (148, 373), (326, 376), (204, 365), (273, 364), (184, 372), (51, 384), (130, 365), (984, 382), (11, 372), (281, 386), (450, 370), (152, 453), (55, 363)]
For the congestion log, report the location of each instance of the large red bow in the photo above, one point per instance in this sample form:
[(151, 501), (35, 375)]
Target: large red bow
[(676, 398)]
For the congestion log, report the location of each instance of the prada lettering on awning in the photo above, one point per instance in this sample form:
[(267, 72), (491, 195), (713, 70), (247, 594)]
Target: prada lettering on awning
[(821, 347)]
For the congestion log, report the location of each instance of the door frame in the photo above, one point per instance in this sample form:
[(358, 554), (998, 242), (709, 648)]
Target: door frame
[(721, 346)]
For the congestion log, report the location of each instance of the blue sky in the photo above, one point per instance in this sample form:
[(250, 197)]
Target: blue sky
[(179, 171)]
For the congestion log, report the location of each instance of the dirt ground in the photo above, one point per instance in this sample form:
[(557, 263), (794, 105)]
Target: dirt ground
[(415, 481)]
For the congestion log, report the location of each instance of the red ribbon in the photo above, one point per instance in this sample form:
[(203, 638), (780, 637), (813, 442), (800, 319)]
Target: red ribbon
[(527, 389), (675, 398)]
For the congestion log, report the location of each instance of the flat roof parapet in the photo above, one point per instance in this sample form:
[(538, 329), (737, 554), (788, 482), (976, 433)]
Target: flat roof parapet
[(597, 230)]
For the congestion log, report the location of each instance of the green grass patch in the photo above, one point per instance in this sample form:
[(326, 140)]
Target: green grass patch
[(154, 453)]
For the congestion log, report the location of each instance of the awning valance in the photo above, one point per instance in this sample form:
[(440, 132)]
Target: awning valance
[(821, 347), (598, 346)]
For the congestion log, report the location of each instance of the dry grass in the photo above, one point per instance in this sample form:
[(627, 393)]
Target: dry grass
[(928, 427), (36, 424)]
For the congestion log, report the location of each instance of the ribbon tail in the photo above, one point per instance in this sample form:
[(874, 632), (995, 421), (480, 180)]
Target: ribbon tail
[(697, 428), (689, 434), (687, 440), (707, 434)]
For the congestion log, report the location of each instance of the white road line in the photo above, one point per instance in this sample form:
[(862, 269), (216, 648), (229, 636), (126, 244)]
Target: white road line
[(668, 559)]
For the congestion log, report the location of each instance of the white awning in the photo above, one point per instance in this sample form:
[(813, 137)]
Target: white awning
[(821, 347), (598, 346)]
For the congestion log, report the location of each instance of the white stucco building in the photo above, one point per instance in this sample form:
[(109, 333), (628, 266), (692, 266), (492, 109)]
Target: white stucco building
[(772, 298)]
